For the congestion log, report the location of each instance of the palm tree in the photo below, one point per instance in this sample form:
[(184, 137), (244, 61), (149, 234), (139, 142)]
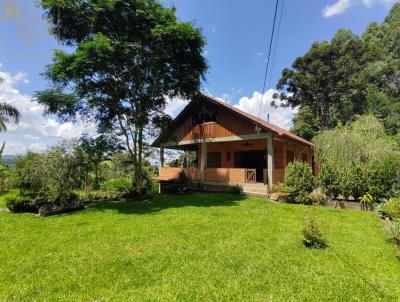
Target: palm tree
[(8, 114)]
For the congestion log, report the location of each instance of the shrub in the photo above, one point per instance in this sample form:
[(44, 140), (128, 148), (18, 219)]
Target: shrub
[(382, 177), (119, 185), (298, 175), (393, 232), (182, 180), (313, 236), (235, 189), (17, 204), (317, 198), (390, 209), (353, 181), (299, 180), (329, 180)]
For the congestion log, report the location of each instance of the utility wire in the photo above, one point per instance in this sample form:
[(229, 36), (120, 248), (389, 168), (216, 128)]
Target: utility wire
[(275, 47), (268, 57)]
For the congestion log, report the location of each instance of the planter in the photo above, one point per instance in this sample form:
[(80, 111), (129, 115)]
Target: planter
[(43, 212), (135, 199), (350, 205)]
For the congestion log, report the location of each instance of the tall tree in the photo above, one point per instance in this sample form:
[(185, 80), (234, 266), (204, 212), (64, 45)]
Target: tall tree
[(129, 56), (325, 80), (346, 77)]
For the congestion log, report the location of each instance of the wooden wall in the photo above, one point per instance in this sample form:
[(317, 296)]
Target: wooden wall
[(227, 124)]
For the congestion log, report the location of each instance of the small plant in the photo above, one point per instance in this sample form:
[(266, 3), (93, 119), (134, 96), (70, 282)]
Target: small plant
[(367, 200), (299, 181), (17, 204), (393, 232), (313, 236), (390, 209), (235, 189), (118, 185)]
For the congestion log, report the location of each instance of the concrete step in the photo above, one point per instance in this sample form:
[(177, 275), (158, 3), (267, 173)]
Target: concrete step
[(255, 190), (255, 194)]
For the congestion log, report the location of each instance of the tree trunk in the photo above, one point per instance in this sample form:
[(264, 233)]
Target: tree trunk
[(325, 114), (139, 178)]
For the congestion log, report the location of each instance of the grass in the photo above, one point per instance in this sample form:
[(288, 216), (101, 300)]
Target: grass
[(199, 247)]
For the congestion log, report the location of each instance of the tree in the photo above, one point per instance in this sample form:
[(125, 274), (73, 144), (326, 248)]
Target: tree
[(357, 158), (129, 56), (324, 80), (8, 114), (351, 75), (92, 152)]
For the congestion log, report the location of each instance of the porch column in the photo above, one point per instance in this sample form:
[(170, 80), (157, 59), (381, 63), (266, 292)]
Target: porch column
[(270, 159), (161, 165), (161, 157), (203, 160)]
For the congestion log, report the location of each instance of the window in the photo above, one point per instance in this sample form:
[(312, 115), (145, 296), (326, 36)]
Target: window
[(289, 156), (204, 116), (214, 160), (304, 157)]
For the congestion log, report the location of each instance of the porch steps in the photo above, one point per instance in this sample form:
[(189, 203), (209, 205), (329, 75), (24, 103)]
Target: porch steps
[(257, 190)]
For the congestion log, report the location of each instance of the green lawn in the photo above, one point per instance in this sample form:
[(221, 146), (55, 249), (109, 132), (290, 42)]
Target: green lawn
[(200, 247)]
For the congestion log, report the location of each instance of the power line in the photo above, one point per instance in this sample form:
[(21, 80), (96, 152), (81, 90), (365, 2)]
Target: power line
[(275, 47), (268, 57)]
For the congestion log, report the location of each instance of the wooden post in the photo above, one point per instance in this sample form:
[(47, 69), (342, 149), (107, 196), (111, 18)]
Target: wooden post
[(270, 160), (203, 160), (161, 165)]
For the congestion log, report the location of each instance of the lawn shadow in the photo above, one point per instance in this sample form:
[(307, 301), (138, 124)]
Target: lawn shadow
[(166, 201)]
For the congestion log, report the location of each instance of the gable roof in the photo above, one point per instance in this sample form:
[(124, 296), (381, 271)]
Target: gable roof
[(264, 125)]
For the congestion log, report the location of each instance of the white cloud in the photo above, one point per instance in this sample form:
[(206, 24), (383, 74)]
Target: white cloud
[(337, 8), (279, 116), (33, 126), (340, 6), (21, 77), (174, 106)]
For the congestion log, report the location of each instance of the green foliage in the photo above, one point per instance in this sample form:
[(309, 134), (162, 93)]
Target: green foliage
[(299, 177), (8, 114), (367, 199), (305, 124), (17, 204), (337, 80), (329, 179), (382, 176), (393, 231), (354, 181), (235, 189), (313, 236), (119, 185), (357, 159), (154, 56), (390, 209)]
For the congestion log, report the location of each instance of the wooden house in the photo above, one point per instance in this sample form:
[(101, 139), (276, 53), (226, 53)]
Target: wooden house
[(232, 147)]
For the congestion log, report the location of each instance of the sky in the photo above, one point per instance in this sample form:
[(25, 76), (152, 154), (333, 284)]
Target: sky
[(237, 34)]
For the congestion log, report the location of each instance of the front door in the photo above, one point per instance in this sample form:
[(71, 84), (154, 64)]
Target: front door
[(252, 160)]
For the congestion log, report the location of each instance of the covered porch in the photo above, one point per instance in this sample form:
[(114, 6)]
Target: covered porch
[(229, 161)]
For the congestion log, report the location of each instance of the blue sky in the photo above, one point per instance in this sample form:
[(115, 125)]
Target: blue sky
[(237, 33)]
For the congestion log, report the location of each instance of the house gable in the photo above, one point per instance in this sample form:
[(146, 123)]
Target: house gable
[(203, 119)]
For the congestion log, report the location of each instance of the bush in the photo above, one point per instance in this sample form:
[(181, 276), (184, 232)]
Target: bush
[(390, 209), (382, 177), (119, 185), (317, 198), (235, 189), (329, 180), (313, 236), (299, 180), (393, 232), (17, 204), (353, 181)]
